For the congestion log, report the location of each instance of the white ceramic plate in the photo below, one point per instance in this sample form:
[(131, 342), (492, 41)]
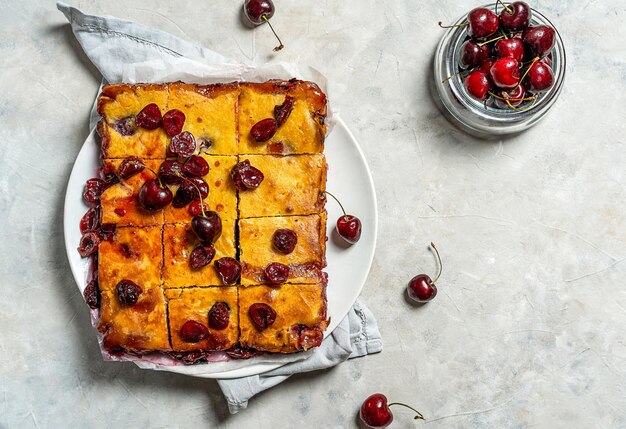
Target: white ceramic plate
[(348, 266)]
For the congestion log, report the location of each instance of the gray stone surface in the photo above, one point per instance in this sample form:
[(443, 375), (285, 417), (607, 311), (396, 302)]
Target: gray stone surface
[(529, 329)]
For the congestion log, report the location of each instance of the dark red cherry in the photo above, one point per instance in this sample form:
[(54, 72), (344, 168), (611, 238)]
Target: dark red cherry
[(262, 315), (514, 96), (307, 337), (128, 292), (207, 228), (90, 221), (349, 228), (421, 288), (285, 240), (263, 130), (245, 176), (486, 66), (276, 273), (195, 208), (125, 126), (193, 332), (171, 172), (472, 54), (149, 117), (515, 16), (154, 196), (512, 47), (88, 244), (219, 316), (108, 175), (196, 166), (130, 166), (183, 144), (477, 84), (201, 256), (242, 352), (229, 270), (173, 122), (107, 231), (188, 191), (505, 72), (375, 412), (539, 40), (482, 23), (93, 191), (255, 9), (539, 78), (92, 295), (282, 111)]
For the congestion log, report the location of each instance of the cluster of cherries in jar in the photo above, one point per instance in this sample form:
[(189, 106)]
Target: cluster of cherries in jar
[(505, 61)]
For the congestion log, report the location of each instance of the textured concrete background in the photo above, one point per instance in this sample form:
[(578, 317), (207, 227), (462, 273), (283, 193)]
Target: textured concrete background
[(529, 328)]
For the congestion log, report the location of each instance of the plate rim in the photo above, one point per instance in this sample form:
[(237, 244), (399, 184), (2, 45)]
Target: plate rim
[(258, 367)]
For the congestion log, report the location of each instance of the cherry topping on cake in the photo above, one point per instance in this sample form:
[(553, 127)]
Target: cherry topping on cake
[(88, 244), (108, 175), (505, 72), (149, 117), (276, 273), (93, 191), (154, 195), (539, 77), (482, 23), (219, 316), (207, 227), (128, 292), (515, 16), (539, 40), (201, 256), (246, 176), (282, 111), (196, 166), (130, 166), (375, 412), (263, 130), (229, 270), (171, 172), (285, 240), (183, 144), (195, 208), (173, 122), (262, 315), (193, 332), (307, 337), (106, 231), (90, 220), (188, 191), (125, 126), (421, 288), (92, 295)]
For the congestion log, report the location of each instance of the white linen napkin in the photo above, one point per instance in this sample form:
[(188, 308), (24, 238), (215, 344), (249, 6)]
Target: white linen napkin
[(112, 43)]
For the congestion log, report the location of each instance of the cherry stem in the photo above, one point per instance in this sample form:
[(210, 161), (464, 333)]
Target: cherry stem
[(527, 70), (492, 40), (452, 26), (534, 97), (279, 47), (439, 259), (450, 77), (419, 415), (197, 189), (508, 9), (153, 172), (335, 198)]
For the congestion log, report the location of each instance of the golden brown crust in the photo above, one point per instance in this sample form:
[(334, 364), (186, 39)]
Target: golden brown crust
[(257, 251), (296, 306)]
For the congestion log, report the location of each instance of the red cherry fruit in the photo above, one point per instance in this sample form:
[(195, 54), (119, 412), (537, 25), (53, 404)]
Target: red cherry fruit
[(487, 66), (88, 244), (539, 40), (128, 292), (285, 240), (171, 172), (173, 122), (229, 270), (482, 23), (149, 117), (473, 54), (196, 208), (256, 9), (193, 332), (183, 144), (513, 47), (262, 315), (93, 190), (154, 196), (130, 166), (421, 288), (92, 295), (201, 256), (90, 221), (188, 191), (276, 273), (375, 412), (196, 166), (282, 111), (245, 176), (539, 77), (477, 84), (264, 130), (208, 227), (219, 316), (505, 72), (514, 96), (515, 16), (349, 228)]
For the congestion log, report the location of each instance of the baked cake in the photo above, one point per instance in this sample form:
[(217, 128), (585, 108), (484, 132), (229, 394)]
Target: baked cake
[(207, 224)]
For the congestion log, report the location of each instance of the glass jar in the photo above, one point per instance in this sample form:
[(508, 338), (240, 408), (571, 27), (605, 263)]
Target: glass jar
[(474, 116)]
